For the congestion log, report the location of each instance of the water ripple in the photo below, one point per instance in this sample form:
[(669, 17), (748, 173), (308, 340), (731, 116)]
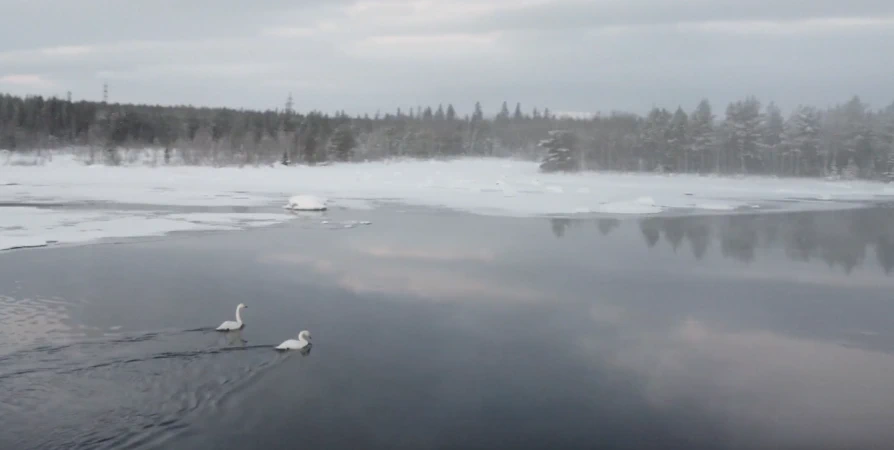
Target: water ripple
[(158, 380)]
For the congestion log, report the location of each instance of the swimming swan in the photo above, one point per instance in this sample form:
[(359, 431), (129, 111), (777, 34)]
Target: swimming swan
[(293, 344), (230, 325)]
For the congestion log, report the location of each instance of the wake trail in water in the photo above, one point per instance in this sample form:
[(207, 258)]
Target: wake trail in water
[(165, 432), (47, 356), (142, 388)]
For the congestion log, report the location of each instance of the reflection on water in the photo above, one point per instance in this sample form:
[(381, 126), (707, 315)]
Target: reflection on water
[(839, 238), (437, 330)]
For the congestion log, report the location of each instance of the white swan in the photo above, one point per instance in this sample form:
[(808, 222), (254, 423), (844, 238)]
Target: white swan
[(296, 344), (237, 325)]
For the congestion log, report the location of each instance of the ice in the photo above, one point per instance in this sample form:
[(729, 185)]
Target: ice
[(306, 203), (232, 220), (715, 206), (642, 205), (22, 227), (486, 186)]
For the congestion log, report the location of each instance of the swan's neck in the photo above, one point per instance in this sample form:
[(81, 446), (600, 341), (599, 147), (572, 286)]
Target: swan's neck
[(238, 315)]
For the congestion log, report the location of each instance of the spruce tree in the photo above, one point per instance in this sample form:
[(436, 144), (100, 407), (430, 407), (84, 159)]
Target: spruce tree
[(561, 152), (342, 143)]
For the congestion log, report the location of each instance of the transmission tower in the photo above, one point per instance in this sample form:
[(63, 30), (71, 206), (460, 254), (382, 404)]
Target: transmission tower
[(289, 104), (105, 92)]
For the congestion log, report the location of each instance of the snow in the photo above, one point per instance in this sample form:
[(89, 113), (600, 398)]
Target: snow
[(481, 186), (716, 207), (642, 205), (22, 227), (306, 203), (485, 186)]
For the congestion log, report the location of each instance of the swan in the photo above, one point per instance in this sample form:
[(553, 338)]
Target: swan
[(237, 325), (296, 344)]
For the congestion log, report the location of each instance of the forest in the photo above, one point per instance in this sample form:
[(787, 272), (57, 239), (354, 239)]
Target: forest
[(849, 140)]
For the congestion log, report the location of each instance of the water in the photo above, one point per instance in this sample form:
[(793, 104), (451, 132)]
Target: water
[(442, 330)]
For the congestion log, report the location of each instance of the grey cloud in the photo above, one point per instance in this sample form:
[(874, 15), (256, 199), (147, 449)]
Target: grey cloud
[(568, 14), (46, 23), (215, 52)]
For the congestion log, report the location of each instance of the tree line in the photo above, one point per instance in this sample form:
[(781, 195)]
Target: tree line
[(849, 140)]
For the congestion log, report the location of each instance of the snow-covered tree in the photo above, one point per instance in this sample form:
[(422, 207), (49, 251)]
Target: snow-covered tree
[(801, 142), (478, 115), (883, 142), (451, 113), (561, 152), (678, 140), (518, 116), (742, 125), (654, 139), (772, 129), (342, 143), (701, 127)]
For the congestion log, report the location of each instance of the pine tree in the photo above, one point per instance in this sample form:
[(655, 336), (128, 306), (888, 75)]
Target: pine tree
[(478, 115), (439, 115), (883, 142), (801, 141), (654, 138), (518, 116), (451, 113), (742, 125), (342, 143), (504, 111), (701, 128), (772, 130), (561, 152), (678, 139)]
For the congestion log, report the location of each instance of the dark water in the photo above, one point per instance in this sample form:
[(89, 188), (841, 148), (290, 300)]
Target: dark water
[(441, 330)]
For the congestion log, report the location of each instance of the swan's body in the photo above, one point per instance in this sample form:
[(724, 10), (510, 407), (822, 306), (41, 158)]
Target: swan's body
[(301, 343), (231, 325)]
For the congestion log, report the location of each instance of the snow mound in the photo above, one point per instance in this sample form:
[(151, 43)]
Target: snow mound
[(306, 203)]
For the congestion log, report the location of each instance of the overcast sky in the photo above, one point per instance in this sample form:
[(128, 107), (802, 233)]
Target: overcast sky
[(569, 55)]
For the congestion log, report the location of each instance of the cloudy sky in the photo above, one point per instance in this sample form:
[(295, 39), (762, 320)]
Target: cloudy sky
[(569, 55)]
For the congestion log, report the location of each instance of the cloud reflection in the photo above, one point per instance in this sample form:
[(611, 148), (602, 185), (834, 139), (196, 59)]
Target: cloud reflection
[(427, 254), (374, 270), (771, 390)]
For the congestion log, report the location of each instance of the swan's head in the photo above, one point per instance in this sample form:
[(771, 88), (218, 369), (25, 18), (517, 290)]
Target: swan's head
[(304, 335), (241, 306)]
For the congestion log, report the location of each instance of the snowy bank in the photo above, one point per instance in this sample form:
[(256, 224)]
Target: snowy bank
[(482, 186)]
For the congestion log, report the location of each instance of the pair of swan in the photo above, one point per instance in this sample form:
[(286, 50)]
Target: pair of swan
[(290, 344)]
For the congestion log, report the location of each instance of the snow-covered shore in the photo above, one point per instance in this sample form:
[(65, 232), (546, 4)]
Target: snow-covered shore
[(480, 186)]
